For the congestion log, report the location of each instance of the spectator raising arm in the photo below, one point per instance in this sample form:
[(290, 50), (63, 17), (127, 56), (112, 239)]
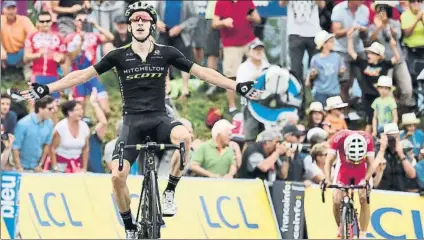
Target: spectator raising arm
[(254, 17), (406, 164), (396, 58), (350, 49), (408, 31), (105, 35), (101, 125)]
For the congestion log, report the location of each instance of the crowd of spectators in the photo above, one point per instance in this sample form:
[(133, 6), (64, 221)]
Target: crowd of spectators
[(377, 46)]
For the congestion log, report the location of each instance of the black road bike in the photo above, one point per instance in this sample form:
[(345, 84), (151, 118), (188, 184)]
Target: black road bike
[(348, 213), (149, 213)]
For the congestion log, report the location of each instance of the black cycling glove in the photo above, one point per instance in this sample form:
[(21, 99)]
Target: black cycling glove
[(247, 90), (39, 90)]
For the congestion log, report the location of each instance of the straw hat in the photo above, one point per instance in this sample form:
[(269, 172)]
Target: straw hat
[(376, 48), (391, 128), (409, 118), (385, 81), (335, 103), (321, 38), (316, 107)]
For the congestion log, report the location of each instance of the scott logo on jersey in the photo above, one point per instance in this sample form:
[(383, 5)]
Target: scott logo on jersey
[(143, 75)]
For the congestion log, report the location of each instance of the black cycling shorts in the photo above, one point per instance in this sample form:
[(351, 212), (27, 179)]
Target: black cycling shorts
[(136, 128)]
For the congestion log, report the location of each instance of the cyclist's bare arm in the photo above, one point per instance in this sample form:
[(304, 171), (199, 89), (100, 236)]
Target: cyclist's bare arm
[(212, 76), (72, 79), (372, 166), (329, 161)]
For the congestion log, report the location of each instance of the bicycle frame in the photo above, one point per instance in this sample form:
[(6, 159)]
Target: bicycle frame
[(149, 207), (348, 212)]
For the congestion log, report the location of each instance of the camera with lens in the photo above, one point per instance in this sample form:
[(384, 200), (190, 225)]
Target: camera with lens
[(4, 137)]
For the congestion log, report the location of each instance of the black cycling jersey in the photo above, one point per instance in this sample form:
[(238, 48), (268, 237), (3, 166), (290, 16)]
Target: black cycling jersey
[(142, 83)]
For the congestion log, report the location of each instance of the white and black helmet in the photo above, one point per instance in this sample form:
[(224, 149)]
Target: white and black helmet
[(355, 147), (141, 6)]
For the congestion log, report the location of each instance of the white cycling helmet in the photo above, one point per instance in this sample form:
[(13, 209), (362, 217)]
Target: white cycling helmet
[(355, 147)]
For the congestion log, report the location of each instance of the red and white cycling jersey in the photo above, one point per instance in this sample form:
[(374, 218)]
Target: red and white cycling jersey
[(53, 43), (349, 172), (88, 55)]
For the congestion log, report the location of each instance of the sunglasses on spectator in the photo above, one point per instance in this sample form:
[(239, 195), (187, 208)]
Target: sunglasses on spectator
[(50, 109), (323, 155), (414, 1), (81, 19), (138, 18), (44, 21)]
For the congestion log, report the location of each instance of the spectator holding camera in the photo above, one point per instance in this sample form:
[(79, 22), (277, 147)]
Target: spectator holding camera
[(399, 174), (262, 159), (8, 117), (45, 49), (34, 136), (411, 132), (215, 158), (297, 164), (65, 11), (382, 30), (82, 50)]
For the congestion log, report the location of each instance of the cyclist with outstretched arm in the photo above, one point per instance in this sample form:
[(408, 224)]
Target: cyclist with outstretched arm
[(142, 67), (357, 164)]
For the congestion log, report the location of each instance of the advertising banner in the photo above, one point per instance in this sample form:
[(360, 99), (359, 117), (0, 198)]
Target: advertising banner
[(394, 215), (288, 200), (9, 188), (82, 206)]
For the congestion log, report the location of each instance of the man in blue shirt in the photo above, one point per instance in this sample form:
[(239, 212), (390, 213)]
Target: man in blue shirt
[(33, 135)]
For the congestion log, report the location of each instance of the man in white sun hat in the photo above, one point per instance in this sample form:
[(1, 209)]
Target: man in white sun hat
[(411, 132), (385, 107), (372, 68), (326, 68), (335, 117)]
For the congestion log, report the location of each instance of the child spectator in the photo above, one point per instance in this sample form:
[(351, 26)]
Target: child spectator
[(385, 107), (372, 68), (414, 135), (316, 115), (326, 67), (335, 117)]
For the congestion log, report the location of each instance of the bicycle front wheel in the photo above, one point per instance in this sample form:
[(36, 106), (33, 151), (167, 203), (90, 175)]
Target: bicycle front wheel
[(344, 224), (153, 203)]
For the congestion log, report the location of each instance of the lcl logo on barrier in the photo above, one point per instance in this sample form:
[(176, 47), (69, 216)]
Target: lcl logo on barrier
[(207, 210), (48, 198)]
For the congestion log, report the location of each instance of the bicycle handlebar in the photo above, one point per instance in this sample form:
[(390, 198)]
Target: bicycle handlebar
[(346, 189), (151, 146)]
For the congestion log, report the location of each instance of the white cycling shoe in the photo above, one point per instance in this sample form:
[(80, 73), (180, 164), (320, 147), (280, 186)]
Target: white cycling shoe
[(131, 234), (169, 207)]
